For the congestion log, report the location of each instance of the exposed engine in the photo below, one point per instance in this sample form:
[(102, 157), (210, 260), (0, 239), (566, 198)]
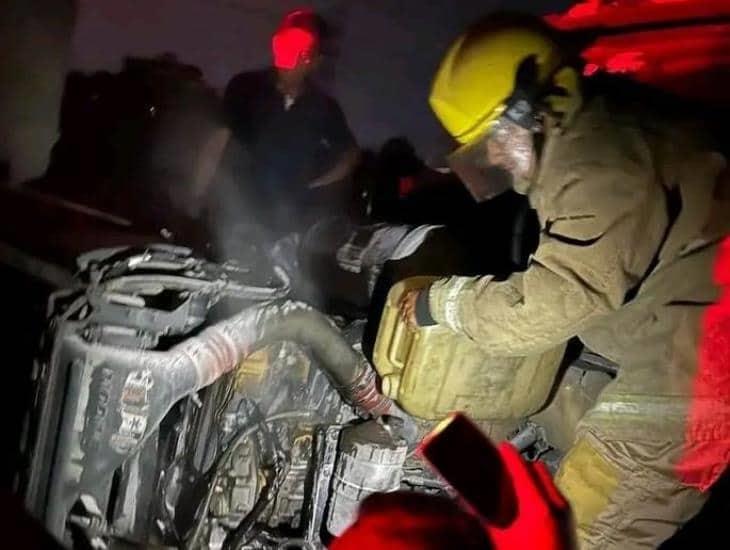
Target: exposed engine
[(185, 404), (195, 407)]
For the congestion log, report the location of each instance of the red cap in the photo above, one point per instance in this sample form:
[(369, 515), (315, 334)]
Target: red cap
[(295, 39)]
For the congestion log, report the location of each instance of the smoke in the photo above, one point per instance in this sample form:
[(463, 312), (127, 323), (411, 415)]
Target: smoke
[(238, 219), (233, 220)]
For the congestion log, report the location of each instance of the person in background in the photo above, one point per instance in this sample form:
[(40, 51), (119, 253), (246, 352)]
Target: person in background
[(299, 145)]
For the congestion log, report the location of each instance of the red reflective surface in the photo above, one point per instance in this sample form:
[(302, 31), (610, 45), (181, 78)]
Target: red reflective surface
[(412, 521), (535, 516), (681, 46), (624, 13)]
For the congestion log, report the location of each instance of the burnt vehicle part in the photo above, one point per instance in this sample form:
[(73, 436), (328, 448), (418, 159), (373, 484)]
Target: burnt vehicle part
[(136, 388), (156, 423), (370, 461), (186, 404), (165, 296)]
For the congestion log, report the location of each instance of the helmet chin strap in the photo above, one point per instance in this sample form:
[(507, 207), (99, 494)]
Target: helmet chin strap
[(560, 96), (522, 107)]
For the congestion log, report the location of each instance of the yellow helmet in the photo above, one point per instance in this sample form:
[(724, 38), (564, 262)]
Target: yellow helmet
[(479, 74)]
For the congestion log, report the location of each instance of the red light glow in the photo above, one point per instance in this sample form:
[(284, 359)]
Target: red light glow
[(290, 46), (707, 436), (681, 46), (625, 62)]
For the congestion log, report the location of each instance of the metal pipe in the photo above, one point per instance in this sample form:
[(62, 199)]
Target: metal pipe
[(525, 438), (168, 376), (135, 389)]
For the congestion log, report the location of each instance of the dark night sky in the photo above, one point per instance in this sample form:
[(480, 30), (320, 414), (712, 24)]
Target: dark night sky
[(388, 48)]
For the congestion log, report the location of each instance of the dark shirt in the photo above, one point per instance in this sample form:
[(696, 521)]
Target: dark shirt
[(288, 148)]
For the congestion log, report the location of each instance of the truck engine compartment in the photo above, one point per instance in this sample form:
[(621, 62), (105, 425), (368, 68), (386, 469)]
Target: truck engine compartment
[(159, 446)]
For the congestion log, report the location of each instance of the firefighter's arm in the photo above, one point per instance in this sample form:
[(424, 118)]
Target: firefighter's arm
[(611, 222)]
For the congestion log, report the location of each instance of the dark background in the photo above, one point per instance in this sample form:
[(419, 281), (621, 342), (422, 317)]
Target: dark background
[(388, 49)]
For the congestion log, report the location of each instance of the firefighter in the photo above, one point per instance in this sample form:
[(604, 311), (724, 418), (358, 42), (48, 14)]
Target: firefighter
[(632, 203)]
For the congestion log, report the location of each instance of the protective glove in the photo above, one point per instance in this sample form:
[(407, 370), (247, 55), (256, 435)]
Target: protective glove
[(415, 309)]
